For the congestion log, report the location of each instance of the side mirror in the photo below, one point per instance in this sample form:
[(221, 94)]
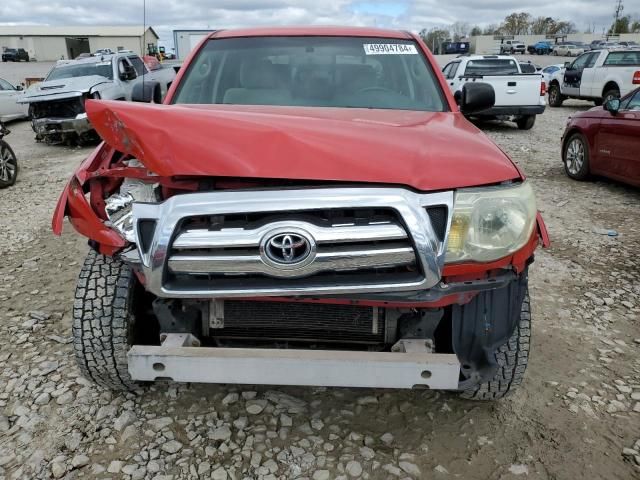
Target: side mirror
[(129, 73), (475, 97), (19, 88), (567, 65), (612, 105), (146, 92)]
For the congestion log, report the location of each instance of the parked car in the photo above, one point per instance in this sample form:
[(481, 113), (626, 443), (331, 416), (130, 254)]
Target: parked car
[(103, 51), (10, 109), (597, 75), (629, 44), (56, 106), (605, 141), (596, 44), (205, 220), (455, 48), (568, 50), (518, 96), (540, 48), (8, 160), (512, 46), (550, 71), (15, 55)]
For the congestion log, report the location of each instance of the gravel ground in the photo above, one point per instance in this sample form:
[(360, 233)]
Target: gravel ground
[(576, 415)]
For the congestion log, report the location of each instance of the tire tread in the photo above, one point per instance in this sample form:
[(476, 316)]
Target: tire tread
[(512, 359)]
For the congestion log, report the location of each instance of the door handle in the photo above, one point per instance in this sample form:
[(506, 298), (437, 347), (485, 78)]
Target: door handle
[(511, 92)]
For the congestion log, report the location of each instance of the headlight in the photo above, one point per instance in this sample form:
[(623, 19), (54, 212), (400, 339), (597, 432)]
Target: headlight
[(490, 223), (118, 206)]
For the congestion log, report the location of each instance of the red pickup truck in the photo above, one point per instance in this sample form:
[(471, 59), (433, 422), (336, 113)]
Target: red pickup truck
[(307, 206)]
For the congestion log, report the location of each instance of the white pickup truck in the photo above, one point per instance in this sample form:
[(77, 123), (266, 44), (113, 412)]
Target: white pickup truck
[(598, 75), (56, 106), (519, 97)]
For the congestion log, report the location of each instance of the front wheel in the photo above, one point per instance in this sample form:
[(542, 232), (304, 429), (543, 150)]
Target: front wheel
[(8, 165), (575, 157), (512, 359), (555, 96), (104, 323), (526, 123)]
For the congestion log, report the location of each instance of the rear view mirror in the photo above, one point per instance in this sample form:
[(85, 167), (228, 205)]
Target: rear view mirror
[(475, 97), (612, 105), (146, 92)]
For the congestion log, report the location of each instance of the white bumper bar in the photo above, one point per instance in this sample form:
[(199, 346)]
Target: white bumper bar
[(294, 367)]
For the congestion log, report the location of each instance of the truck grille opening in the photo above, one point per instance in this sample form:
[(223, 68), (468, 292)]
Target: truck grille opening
[(301, 322), (67, 108)]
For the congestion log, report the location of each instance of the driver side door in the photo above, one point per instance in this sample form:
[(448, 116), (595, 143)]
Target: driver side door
[(573, 74)]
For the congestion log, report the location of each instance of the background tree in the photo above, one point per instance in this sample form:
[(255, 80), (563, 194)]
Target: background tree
[(516, 24), (434, 38), (621, 25), (475, 31), (635, 27), (564, 27), (459, 30), (492, 29), (542, 25)]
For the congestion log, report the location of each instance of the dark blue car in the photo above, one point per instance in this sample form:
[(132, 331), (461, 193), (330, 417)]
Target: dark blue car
[(455, 47)]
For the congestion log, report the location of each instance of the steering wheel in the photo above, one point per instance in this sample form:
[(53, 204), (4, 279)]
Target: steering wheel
[(374, 89)]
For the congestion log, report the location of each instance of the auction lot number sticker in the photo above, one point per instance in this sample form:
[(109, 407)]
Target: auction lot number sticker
[(389, 49)]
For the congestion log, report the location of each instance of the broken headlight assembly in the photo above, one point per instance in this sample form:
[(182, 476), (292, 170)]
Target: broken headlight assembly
[(119, 206), (490, 223)]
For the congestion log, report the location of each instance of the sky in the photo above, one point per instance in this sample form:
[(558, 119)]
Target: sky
[(166, 15)]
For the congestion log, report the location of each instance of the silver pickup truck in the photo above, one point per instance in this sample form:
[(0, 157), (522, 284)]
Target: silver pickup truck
[(56, 106)]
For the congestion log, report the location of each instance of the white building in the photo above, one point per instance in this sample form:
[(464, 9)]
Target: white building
[(186, 40), (46, 43)]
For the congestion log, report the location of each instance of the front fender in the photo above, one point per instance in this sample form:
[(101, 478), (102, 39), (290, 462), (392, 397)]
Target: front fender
[(74, 204)]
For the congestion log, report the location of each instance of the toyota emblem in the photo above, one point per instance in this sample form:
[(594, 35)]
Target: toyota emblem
[(288, 248)]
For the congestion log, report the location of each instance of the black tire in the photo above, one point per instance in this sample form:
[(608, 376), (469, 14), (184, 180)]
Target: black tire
[(512, 358), (610, 94), (555, 96), (103, 321), (575, 168), (526, 123), (8, 165)]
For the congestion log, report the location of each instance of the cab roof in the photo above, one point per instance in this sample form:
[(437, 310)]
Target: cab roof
[(325, 31)]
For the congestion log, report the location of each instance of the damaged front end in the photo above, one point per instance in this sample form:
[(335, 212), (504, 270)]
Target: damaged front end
[(61, 121), (330, 282)]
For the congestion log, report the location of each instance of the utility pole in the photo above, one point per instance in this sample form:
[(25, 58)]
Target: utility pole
[(616, 17)]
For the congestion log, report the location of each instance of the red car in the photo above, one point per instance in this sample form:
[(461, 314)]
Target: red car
[(308, 206), (605, 141)]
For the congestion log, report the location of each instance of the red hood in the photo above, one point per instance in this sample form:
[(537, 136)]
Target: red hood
[(424, 150)]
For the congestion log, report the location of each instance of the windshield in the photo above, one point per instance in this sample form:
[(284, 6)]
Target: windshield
[(342, 72), (81, 70)]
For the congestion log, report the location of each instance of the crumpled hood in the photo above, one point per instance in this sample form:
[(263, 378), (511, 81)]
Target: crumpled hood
[(423, 150), (62, 88)]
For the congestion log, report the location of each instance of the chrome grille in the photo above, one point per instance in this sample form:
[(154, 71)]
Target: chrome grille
[(347, 246), (211, 244)]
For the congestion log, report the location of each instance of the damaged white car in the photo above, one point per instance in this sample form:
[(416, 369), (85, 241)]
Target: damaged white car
[(56, 106)]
